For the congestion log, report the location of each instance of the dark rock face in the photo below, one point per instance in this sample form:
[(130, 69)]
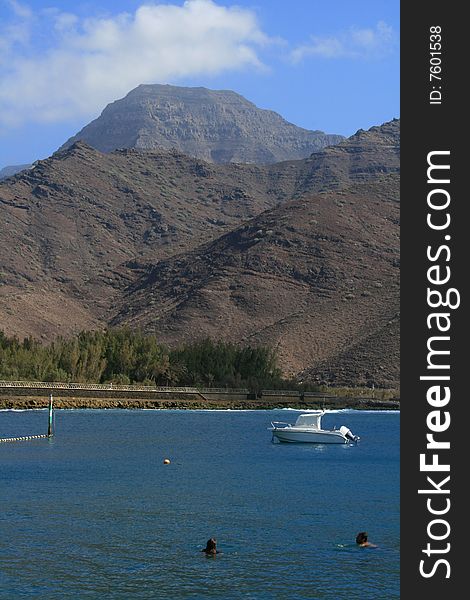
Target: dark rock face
[(301, 255), (217, 126)]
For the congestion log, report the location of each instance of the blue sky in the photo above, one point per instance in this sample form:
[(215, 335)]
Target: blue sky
[(330, 65)]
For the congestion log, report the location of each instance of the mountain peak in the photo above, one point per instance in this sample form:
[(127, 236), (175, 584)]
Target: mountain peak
[(81, 146), (391, 127), (219, 126)]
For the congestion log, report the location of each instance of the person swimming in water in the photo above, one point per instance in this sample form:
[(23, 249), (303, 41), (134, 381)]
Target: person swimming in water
[(362, 540), (211, 547)]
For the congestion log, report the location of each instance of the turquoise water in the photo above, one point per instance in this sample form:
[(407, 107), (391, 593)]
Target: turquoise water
[(94, 512)]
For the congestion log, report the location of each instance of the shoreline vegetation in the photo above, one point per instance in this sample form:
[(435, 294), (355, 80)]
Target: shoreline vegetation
[(120, 368)]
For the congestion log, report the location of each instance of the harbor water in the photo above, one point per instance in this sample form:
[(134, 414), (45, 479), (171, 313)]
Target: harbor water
[(94, 512)]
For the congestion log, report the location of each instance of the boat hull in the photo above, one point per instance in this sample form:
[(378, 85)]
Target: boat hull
[(289, 434)]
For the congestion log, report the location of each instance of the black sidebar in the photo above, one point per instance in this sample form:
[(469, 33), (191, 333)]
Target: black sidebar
[(435, 242)]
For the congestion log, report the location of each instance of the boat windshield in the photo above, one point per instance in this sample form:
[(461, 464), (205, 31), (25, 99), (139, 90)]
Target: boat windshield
[(309, 420)]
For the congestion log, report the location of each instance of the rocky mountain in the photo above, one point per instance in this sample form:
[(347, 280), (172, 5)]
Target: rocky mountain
[(77, 228), (301, 254), (316, 277), (216, 126)]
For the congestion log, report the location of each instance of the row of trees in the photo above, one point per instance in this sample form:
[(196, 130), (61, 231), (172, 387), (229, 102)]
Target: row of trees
[(125, 356)]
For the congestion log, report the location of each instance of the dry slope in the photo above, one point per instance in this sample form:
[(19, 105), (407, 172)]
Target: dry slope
[(301, 254)]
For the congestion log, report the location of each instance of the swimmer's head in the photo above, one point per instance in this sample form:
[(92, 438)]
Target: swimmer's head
[(361, 537), (211, 546)]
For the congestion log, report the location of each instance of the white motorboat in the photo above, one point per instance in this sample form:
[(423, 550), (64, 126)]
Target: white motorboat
[(308, 428)]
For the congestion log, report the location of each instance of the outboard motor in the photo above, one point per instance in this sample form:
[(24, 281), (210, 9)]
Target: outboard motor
[(348, 434)]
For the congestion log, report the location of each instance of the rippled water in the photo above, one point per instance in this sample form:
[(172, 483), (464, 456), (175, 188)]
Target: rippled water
[(94, 512)]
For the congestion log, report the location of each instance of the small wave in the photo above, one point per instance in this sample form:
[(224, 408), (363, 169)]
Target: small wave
[(326, 410), (370, 411), (20, 409), (244, 410)]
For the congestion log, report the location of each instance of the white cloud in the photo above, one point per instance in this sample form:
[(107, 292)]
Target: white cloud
[(355, 43), (21, 10), (86, 63), (16, 32)]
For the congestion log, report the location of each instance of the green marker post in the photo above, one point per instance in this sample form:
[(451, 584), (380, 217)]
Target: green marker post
[(50, 432)]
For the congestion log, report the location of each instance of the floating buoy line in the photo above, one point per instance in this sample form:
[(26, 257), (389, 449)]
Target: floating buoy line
[(25, 438)]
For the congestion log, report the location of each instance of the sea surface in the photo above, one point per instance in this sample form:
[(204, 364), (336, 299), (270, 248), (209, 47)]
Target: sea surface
[(95, 513)]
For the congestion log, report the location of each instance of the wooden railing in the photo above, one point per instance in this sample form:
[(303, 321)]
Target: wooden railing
[(110, 387), (57, 385)]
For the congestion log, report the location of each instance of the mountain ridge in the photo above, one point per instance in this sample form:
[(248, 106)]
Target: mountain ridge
[(11, 170)]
